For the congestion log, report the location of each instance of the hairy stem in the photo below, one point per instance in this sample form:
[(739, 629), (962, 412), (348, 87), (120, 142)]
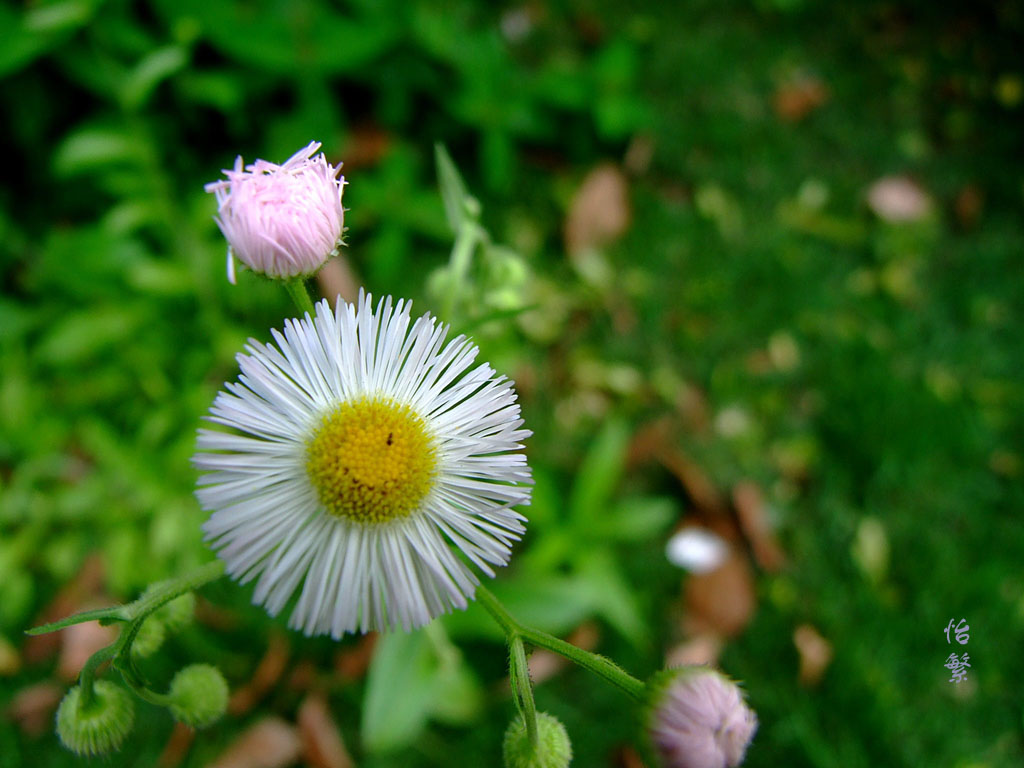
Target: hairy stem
[(599, 665), (458, 265), (87, 676), (522, 689), (300, 295)]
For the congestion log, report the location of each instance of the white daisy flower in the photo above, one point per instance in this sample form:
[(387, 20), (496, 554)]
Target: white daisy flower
[(368, 449)]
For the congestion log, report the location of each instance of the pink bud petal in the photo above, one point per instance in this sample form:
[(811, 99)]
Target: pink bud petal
[(699, 720), (282, 221)]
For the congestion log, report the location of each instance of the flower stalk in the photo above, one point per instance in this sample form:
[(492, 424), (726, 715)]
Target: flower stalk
[(133, 614), (522, 689), (300, 295), (602, 667)]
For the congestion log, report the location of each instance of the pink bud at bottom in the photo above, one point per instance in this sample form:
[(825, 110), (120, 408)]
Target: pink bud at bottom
[(698, 719)]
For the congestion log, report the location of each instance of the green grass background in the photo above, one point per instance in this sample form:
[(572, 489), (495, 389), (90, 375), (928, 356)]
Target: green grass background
[(903, 406)]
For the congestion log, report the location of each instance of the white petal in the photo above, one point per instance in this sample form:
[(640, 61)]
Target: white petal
[(267, 523)]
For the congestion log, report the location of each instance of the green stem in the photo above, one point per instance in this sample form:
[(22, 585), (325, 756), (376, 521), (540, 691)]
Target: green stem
[(300, 295), (133, 679), (155, 597), (458, 264), (165, 591), (88, 675), (161, 593), (599, 665), (519, 675)]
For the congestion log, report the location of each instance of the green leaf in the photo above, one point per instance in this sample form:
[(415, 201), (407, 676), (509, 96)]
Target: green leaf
[(400, 691), (554, 604), (150, 72), (81, 335), (60, 16), (458, 695), (453, 189), (90, 148), (287, 38), (44, 26), (639, 518), (599, 473), (114, 612), (615, 600)]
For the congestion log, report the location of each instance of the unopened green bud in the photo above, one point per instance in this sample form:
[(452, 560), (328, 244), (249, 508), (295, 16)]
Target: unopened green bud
[(99, 726), (149, 638), (178, 614), (553, 748), (199, 695)]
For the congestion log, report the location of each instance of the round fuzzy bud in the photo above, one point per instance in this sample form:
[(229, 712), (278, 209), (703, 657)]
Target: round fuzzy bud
[(150, 637), (282, 221), (98, 727), (553, 747), (178, 614), (697, 718), (199, 695)]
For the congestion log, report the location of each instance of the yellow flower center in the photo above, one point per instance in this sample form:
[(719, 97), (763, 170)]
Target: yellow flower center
[(371, 460)]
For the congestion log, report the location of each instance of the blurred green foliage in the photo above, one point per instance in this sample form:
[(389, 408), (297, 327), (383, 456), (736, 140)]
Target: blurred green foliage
[(865, 373)]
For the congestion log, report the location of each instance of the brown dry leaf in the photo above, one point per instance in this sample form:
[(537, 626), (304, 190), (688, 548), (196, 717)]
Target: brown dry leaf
[(267, 673), (336, 278), (303, 676), (650, 440), (797, 98), (32, 708), (322, 745), (600, 212), (177, 746), (692, 405), (214, 616), (722, 601), (758, 362), (270, 743), (968, 204), (815, 653), (366, 146), (544, 664), (639, 154), (656, 441), (623, 314), (702, 492), (83, 588), (898, 199), (752, 514), (78, 643), (702, 649), (352, 662), (1005, 463), (630, 758)]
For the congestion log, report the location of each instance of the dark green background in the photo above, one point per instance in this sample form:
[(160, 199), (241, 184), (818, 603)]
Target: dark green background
[(904, 407)]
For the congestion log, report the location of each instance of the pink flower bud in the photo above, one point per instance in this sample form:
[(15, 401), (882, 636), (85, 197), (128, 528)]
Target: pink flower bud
[(698, 719), (282, 221)]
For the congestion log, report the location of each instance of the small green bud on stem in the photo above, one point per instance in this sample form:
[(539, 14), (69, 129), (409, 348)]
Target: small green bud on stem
[(198, 695), (177, 614), (149, 638), (553, 748), (99, 726)]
